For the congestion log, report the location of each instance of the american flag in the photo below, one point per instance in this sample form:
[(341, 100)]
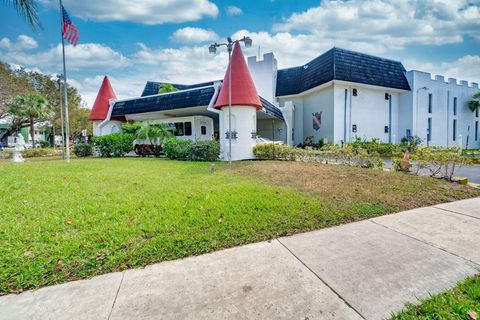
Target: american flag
[(69, 31)]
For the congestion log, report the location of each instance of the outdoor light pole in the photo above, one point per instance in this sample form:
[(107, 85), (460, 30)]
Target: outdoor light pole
[(59, 81), (213, 49)]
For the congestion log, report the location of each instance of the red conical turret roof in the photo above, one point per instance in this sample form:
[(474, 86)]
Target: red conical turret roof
[(243, 89), (101, 105)]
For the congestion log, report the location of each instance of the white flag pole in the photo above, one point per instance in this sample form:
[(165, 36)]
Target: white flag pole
[(65, 89)]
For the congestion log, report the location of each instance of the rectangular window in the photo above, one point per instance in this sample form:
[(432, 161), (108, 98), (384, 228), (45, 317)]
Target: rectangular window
[(179, 129), (429, 130), (430, 103), (454, 129), (455, 106), (476, 130), (203, 130), (188, 128)]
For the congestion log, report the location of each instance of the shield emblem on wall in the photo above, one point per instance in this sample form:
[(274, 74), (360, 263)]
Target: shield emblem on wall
[(317, 120)]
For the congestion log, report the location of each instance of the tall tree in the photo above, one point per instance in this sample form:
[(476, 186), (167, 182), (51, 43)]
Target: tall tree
[(28, 10), (11, 86), (34, 108), (14, 82)]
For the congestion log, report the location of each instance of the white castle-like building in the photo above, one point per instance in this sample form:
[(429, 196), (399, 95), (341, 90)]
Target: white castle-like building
[(338, 96)]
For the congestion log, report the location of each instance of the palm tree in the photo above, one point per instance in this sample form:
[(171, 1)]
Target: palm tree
[(167, 87), (153, 131), (28, 10), (33, 107), (474, 103)]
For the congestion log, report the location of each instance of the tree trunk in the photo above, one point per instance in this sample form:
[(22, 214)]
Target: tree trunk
[(32, 132)]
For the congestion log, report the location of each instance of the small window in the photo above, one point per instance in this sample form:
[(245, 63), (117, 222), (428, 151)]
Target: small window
[(355, 92), (203, 130), (188, 128), (385, 129), (429, 130), (454, 129), (179, 129), (455, 106), (476, 130), (430, 98)]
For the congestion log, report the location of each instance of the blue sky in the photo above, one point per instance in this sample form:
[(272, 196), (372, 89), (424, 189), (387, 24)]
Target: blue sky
[(136, 41)]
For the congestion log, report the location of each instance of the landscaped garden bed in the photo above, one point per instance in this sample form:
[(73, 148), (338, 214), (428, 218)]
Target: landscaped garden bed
[(61, 222)]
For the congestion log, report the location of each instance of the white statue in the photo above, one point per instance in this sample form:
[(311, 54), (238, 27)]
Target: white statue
[(18, 147)]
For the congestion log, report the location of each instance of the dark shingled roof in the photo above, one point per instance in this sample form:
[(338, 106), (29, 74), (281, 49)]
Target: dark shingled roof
[(175, 100), (152, 87), (178, 100), (341, 64), (271, 109)]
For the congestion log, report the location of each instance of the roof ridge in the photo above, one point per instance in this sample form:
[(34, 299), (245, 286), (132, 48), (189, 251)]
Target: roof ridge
[(367, 54)]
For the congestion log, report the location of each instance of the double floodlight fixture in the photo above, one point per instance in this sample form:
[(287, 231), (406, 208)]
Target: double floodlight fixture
[(229, 44)]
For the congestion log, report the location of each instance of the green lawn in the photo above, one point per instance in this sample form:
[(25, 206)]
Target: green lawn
[(61, 222), (462, 302)]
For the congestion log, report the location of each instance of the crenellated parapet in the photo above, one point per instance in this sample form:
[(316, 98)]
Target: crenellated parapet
[(425, 77)]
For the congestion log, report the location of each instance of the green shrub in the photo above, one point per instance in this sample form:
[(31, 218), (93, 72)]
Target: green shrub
[(347, 155), (205, 151), (269, 151), (411, 143), (176, 149), (114, 145), (440, 162), (82, 150), (38, 152), (45, 144), (5, 154), (374, 146), (131, 128)]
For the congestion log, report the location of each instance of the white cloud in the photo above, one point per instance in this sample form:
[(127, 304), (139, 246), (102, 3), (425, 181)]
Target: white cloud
[(193, 35), (5, 43), (150, 12), (85, 56), (186, 64), (465, 68), (233, 11), (25, 43), (124, 87), (387, 23)]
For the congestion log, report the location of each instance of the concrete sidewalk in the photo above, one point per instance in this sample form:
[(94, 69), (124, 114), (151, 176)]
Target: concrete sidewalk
[(362, 270)]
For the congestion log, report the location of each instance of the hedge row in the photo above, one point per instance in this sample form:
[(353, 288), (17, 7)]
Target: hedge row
[(189, 150)]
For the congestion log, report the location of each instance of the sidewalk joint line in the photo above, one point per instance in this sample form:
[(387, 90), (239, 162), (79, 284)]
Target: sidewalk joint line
[(116, 295), (323, 281), (427, 243), (455, 212)]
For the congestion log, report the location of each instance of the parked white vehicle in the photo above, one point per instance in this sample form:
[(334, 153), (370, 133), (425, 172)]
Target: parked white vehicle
[(262, 140)]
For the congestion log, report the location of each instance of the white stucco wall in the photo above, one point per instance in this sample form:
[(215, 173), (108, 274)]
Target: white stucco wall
[(264, 75), (108, 127), (369, 111), (443, 93), (244, 122), (305, 106)]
